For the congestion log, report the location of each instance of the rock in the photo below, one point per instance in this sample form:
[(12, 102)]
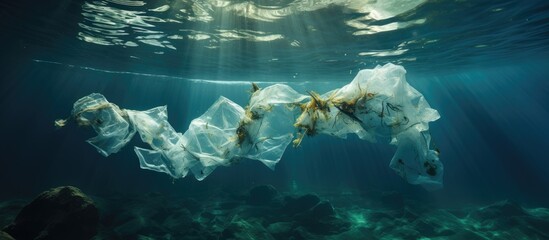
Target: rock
[(410, 214), (178, 217), (444, 219), (192, 205), (207, 215), (426, 229), (356, 233), (509, 220), (539, 224), (262, 195), (59, 213), (403, 233), (300, 204), (383, 226), (245, 229), (5, 236), (301, 233), (138, 226), (310, 214), (464, 234), (498, 210), (142, 237), (181, 222), (446, 232), (324, 226), (378, 216), (9, 210), (322, 210), (228, 205), (321, 219), (281, 230)]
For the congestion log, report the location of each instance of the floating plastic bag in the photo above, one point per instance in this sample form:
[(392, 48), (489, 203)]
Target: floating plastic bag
[(269, 122), (110, 122), (377, 105)]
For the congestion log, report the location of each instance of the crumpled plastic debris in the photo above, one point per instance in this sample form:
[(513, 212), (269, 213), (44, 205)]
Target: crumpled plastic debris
[(378, 105)]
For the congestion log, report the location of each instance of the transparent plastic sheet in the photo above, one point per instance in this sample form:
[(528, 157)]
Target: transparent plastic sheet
[(167, 154), (415, 162), (269, 122), (211, 138), (378, 105), (109, 122)]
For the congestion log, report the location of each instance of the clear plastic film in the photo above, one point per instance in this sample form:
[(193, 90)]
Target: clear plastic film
[(111, 124), (377, 105)]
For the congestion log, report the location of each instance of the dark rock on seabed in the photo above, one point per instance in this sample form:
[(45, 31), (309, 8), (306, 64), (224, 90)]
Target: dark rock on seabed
[(300, 204), (5, 236), (59, 213)]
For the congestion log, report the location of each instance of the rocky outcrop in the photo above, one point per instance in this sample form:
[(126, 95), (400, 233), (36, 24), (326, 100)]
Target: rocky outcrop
[(5, 236), (59, 213)]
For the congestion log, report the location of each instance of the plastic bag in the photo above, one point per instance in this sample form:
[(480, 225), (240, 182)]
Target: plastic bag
[(378, 104)]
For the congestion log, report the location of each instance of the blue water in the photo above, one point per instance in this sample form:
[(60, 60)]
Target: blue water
[(482, 64)]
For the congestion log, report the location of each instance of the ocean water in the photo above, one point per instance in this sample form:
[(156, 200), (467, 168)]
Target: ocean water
[(482, 64)]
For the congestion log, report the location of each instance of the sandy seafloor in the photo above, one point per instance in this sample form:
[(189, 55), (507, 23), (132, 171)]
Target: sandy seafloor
[(265, 213)]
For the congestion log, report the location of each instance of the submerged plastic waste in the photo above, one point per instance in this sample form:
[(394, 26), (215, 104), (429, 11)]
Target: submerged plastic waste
[(377, 105)]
